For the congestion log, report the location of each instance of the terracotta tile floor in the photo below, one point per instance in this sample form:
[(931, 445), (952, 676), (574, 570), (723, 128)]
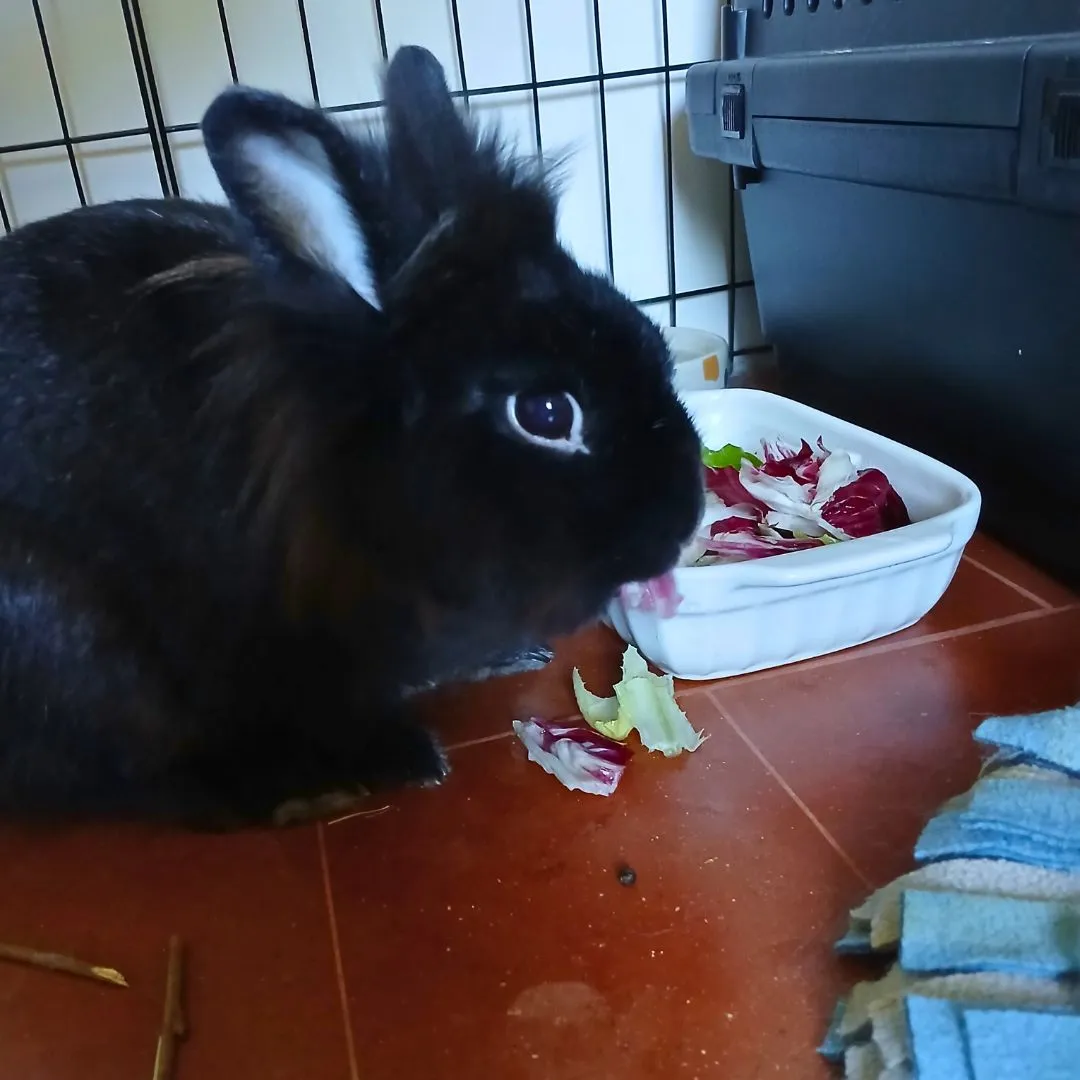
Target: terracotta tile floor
[(480, 930)]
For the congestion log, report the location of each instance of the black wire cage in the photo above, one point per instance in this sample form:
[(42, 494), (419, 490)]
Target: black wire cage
[(735, 284)]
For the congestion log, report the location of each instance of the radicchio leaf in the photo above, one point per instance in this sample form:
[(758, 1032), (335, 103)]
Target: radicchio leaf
[(790, 499), (837, 470), (660, 595), (578, 757), (740, 539), (865, 506), (802, 464), (726, 485)]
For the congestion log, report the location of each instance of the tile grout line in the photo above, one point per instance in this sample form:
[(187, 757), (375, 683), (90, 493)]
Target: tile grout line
[(339, 967), (859, 652), (846, 656), (1026, 593), (482, 740), (791, 793)]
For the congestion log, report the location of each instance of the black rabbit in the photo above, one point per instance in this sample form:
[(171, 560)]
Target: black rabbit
[(268, 469)]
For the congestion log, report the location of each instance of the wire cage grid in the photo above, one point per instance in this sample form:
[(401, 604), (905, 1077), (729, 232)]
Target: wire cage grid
[(668, 304)]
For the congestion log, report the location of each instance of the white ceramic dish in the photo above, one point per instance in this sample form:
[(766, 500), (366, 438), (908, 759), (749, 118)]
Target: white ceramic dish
[(747, 616)]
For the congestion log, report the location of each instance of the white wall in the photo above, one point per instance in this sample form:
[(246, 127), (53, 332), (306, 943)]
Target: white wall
[(100, 93)]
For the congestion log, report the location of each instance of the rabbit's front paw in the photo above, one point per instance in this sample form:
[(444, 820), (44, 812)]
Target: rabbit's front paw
[(520, 662), (330, 804), (405, 753), (534, 659)]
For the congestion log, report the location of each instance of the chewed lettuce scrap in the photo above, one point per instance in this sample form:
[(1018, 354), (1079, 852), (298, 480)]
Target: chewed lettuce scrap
[(601, 714), (642, 702)]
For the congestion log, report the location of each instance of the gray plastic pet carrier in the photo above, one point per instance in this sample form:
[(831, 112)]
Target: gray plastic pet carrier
[(910, 175)]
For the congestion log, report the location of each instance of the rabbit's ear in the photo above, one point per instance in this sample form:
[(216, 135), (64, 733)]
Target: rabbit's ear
[(431, 148), (297, 180), (461, 204)]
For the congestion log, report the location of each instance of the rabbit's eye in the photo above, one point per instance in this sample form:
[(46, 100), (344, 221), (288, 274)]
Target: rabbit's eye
[(550, 420)]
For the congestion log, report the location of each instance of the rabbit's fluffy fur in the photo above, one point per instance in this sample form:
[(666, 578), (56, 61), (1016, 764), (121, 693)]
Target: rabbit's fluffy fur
[(260, 473)]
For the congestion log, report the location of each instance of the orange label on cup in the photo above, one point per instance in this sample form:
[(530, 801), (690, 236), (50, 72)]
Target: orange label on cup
[(710, 368)]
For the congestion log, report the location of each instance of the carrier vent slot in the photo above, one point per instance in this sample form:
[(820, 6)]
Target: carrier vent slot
[(733, 109), (1066, 128)]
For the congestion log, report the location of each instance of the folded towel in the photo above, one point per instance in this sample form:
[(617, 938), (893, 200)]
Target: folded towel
[(953, 1041), (1028, 821), (1050, 737), (1015, 1045), (937, 1039), (898, 1072), (877, 921), (856, 941), (863, 1062), (987, 931), (987, 988), (874, 1011), (950, 835), (833, 1045), (957, 932), (1006, 767), (889, 1029), (855, 1022)]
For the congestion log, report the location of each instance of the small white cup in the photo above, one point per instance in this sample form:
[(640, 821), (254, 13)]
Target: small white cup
[(702, 358)]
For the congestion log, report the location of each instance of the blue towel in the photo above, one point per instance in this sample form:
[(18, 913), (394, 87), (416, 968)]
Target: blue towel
[(937, 1039), (989, 963), (875, 925), (856, 942), (834, 1044), (958, 932), (1010, 1044), (953, 1041), (1050, 738), (1029, 821)]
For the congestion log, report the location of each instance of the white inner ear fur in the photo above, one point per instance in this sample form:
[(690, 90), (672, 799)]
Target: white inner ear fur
[(298, 188)]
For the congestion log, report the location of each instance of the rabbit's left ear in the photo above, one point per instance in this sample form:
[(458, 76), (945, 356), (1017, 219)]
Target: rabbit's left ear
[(298, 181)]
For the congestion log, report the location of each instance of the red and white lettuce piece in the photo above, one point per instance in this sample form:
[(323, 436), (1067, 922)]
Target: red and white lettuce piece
[(788, 499), (723, 519), (726, 485), (793, 496), (782, 501), (837, 470), (864, 506), (578, 757), (739, 539), (799, 498), (660, 595), (803, 463)]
